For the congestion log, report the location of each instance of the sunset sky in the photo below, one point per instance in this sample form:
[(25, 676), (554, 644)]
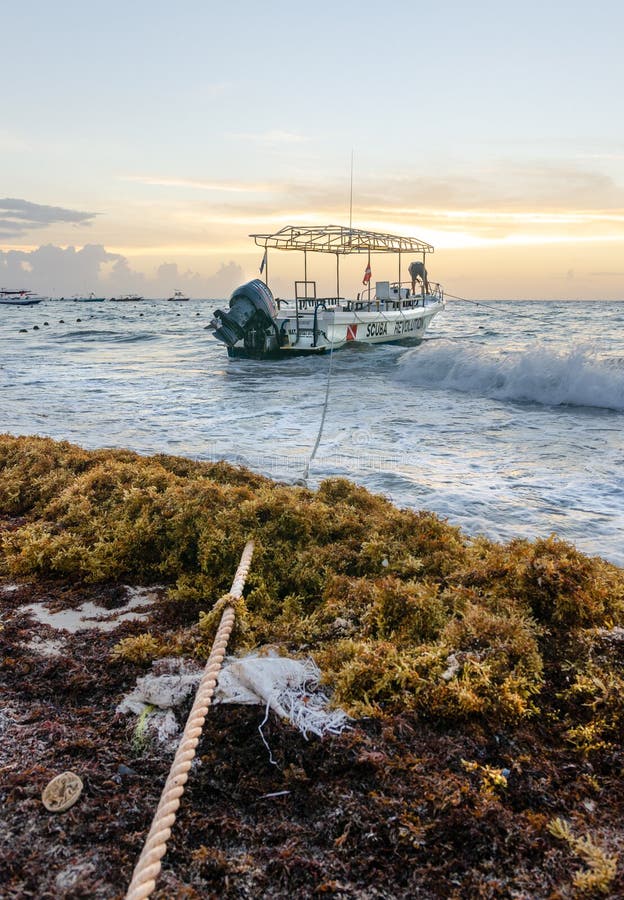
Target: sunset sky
[(160, 135)]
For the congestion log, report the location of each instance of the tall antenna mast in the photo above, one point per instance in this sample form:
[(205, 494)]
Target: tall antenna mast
[(351, 196)]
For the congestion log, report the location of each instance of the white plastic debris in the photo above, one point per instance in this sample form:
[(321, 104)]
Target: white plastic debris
[(290, 687), (163, 724), (454, 666), (165, 691)]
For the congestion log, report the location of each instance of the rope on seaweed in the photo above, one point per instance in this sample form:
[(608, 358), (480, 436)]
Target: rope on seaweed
[(149, 863)]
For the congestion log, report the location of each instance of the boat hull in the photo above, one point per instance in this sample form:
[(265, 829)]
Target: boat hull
[(376, 327), (240, 352), (19, 302), (317, 331)]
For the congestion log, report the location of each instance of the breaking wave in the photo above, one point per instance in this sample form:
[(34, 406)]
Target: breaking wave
[(578, 377)]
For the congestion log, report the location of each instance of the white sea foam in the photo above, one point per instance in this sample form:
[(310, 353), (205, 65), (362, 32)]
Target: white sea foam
[(578, 377)]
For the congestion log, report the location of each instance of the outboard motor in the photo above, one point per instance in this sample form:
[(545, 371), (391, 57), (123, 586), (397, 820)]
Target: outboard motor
[(252, 318)]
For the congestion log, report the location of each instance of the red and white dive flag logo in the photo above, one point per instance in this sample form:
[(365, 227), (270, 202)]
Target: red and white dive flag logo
[(352, 332), (367, 274)]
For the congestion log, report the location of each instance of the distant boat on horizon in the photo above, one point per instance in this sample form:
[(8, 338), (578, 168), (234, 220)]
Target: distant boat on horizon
[(178, 297), (126, 298), (18, 298), (90, 299)]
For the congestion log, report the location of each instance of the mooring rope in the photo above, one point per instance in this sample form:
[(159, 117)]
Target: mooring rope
[(148, 865), (306, 471), (488, 306)]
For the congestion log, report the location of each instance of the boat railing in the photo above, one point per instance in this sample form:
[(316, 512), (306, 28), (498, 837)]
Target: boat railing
[(307, 302), (312, 302), (434, 289), (362, 303), (403, 299)]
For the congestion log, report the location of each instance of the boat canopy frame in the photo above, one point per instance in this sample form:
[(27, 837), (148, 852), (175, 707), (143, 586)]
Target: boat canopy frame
[(338, 239)]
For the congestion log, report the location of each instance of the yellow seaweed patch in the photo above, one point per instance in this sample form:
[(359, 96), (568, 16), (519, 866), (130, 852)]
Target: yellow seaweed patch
[(601, 869), (143, 648)]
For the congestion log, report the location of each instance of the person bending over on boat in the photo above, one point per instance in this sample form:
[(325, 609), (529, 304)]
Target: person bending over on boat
[(417, 271)]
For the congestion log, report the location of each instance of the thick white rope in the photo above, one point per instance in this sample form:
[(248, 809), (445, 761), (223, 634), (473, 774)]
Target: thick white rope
[(148, 865)]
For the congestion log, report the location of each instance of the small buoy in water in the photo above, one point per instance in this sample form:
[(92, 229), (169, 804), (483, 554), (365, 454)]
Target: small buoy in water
[(196, 314), (23, 331), (62, 792), (78, 320), (35, 328), (46, 323), (140, 314), (61, 321), (178, 315)]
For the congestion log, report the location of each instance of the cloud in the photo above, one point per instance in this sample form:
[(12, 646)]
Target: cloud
[(558, 187), (55, 270), (509, 195), (64, 271), (505, 187), (234, 187), (169, 278), (20, 216), (507, 202)]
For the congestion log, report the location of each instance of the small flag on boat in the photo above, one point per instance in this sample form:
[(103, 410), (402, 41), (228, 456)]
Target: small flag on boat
[(263, 263), (367, 274)]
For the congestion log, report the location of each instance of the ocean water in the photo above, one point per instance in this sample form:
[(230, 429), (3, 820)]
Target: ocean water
[(508, 419)]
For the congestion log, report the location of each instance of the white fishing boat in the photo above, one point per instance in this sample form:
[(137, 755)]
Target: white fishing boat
[(178, 297), (18, 298), (256, 326)]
